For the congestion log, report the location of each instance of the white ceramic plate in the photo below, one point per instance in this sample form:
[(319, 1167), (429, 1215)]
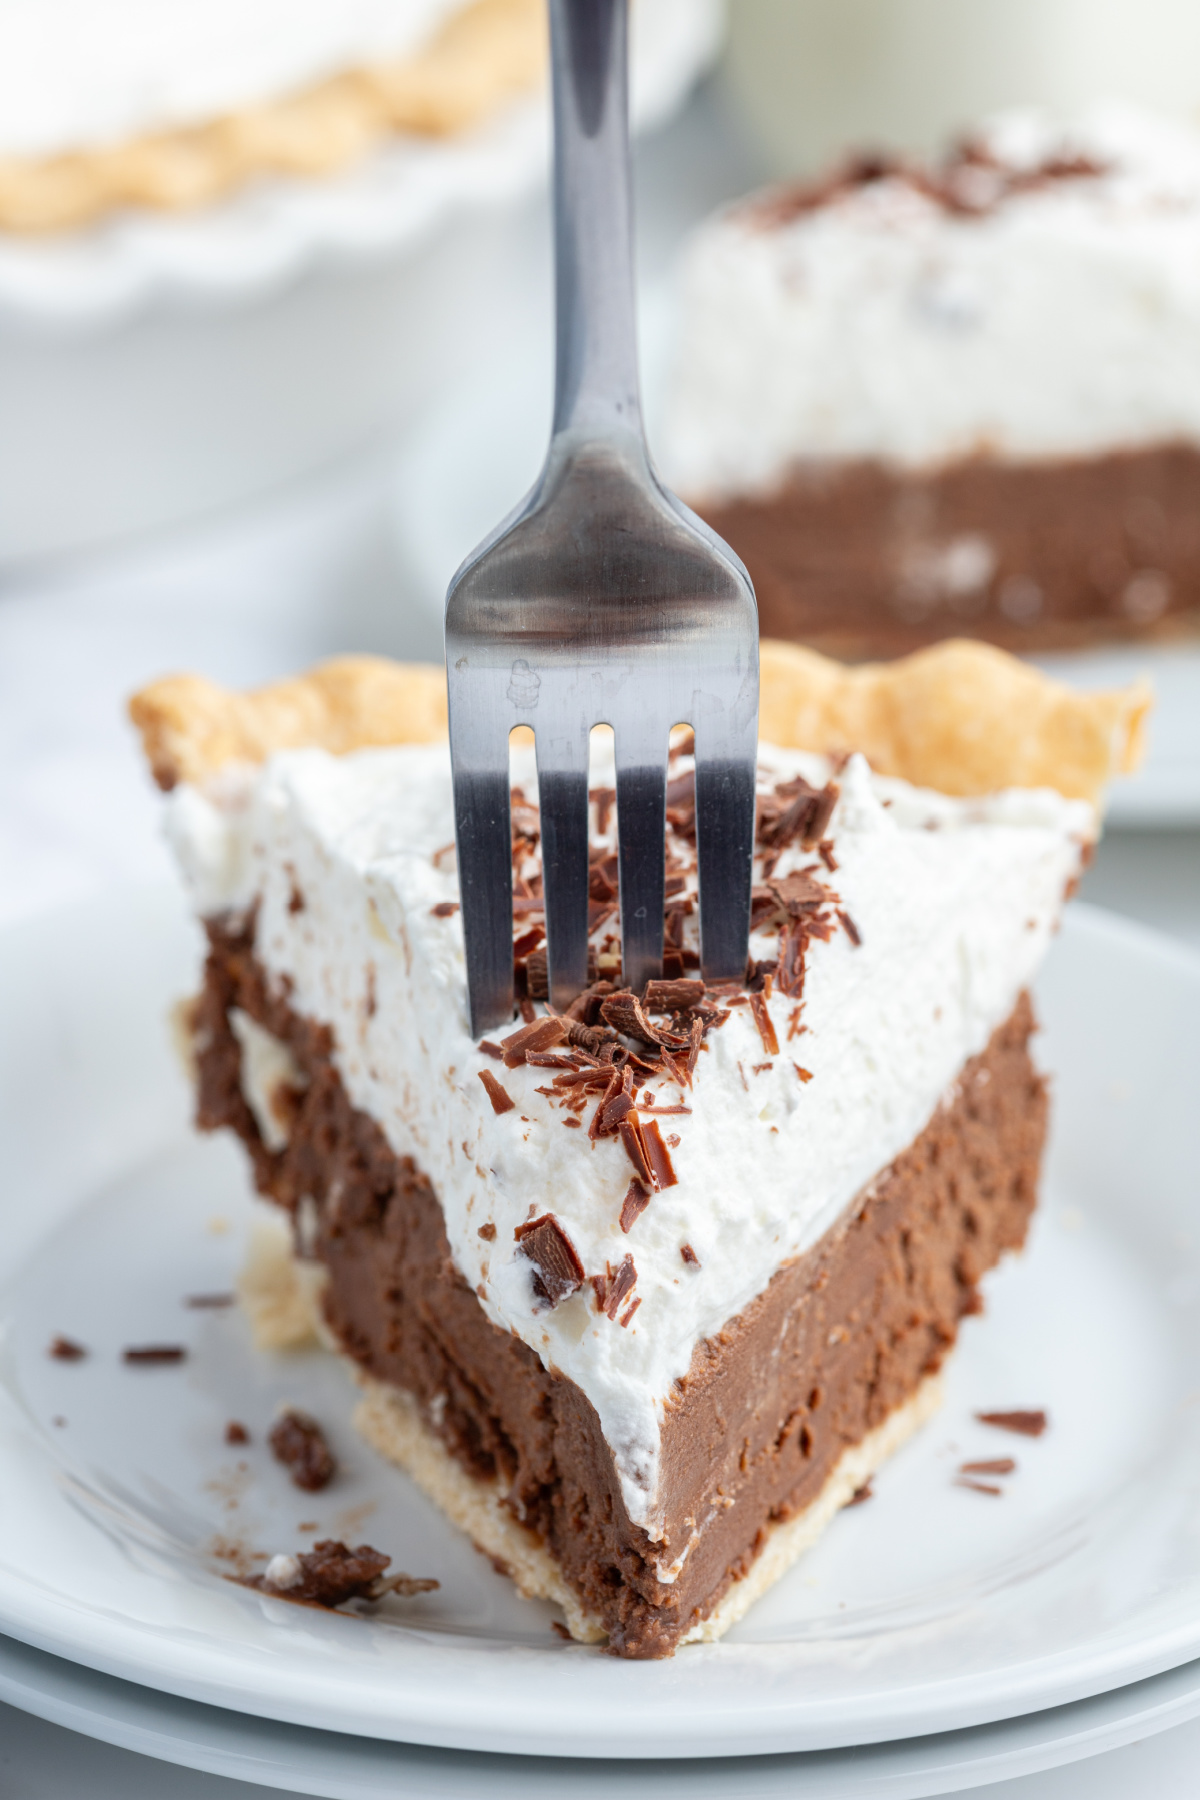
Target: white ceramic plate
[(482, 445), (931, 1608), (240, 1747), (270, 231)]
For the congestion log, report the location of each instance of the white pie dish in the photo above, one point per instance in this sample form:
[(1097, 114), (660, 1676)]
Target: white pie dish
[(158, 366), (931, 1609)]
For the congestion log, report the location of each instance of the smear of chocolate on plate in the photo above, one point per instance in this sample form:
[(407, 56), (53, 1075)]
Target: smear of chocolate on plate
[(207, 1301)]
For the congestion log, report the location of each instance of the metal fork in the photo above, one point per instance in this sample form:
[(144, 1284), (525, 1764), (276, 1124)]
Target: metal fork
[(600, 600)]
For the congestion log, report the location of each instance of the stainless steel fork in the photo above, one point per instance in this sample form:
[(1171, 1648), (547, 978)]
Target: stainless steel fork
[(601, 600)]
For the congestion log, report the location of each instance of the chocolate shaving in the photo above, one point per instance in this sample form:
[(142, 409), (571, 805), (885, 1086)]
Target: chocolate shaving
[(1028, 1424), (825, 852), (625, 1317), (689, 1255), (557, 1270), (624, 1012), (996, 1465), (672, 996), (634, 1204), (490, 1049), (154, 1353), (298, 1442), (612, 1288), (806, 816), (65, 1349), (804, 1074), (978, 1487), (502, 1101), (851, 929), (634, 1142), (603, 799), (658, 1156), (798, 893), (766, 1030), (540, 1034)]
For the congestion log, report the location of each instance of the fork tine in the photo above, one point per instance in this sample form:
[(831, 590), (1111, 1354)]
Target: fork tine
[(725, 845), (641, 757), (563, 806), (483, 831)]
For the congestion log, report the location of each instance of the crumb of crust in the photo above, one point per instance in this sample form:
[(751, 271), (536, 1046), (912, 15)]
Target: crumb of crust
[(236, 1433), (298, 1442), (149, 1354), (203, 1302), (995, 1465), (865, 1492), (1030, 1423), (689, 1255), (502, 1101), (557, 1270), (331, 1573), (487, 1232), (65, 1349)]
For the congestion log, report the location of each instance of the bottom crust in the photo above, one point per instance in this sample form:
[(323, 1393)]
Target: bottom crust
[(391, 1423)]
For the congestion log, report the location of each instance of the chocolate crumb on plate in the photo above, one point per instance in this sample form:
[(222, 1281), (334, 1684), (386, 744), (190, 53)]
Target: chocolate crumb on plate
[(65, 1349), (331, 1573), (298, 1442), (236, 1433), (996, 1465), (1028, 1424), (209, 1300), (689, 1255), (865, 1492), (148, 1354)]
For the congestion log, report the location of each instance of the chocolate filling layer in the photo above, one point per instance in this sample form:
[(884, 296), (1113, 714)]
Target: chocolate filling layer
[(861, 559), (839, 1338)]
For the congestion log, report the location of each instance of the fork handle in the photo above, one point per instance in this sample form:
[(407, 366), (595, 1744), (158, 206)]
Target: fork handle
[(596, 374)]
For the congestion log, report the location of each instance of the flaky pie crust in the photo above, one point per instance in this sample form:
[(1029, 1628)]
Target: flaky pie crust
[(487, 54), (962, 717)]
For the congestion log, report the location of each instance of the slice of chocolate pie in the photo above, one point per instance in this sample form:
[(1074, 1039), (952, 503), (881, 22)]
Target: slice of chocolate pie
[(643, 1293)]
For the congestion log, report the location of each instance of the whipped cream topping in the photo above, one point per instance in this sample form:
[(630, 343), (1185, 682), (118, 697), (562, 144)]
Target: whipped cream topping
[(77, 74), (1009, 314), (952, 902)]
